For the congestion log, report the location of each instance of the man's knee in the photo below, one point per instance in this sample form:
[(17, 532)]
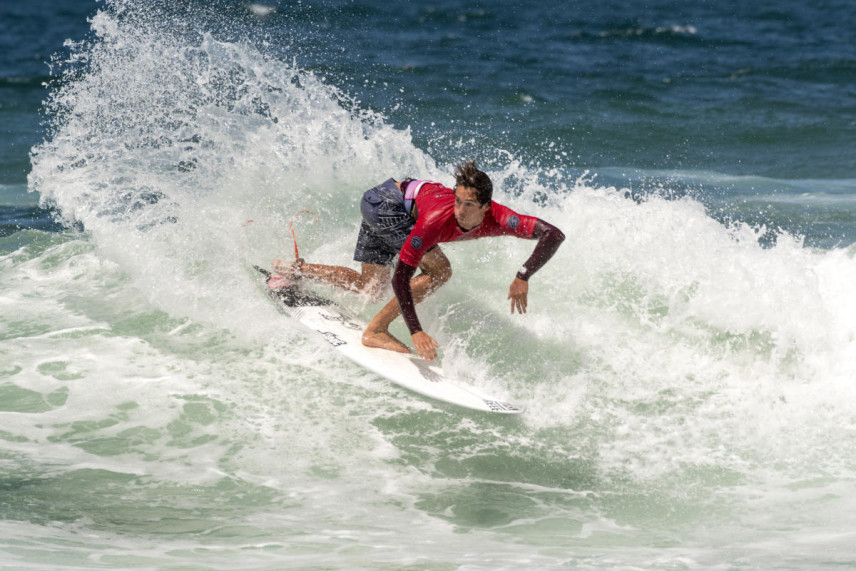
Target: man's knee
[(442, 275), (436, 265), (372, 281), (438, 273), (373, 288)]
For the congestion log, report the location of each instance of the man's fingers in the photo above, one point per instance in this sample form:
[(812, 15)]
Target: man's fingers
[(428, 353), (425, 346), (518, 303), (518, 293)]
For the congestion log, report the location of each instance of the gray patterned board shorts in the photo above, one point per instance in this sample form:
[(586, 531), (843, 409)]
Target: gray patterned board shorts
[(386, 224)]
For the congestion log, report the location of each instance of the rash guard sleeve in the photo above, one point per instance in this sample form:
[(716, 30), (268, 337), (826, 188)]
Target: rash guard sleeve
[(401, 286), (549, 240)]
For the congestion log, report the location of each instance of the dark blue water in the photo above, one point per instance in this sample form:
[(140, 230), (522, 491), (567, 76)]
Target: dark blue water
[(756, 88), (740, 88), (31, 33), (639, 93)]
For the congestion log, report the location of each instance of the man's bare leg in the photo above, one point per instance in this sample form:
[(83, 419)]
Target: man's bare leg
[(370, 280), (436, 270)]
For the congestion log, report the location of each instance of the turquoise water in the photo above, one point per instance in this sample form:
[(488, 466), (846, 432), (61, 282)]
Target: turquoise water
[(686, 366)]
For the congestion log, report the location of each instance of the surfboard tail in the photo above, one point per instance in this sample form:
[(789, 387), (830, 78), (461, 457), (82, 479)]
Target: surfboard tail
[(263, 271), (288, 292), (275, 281)]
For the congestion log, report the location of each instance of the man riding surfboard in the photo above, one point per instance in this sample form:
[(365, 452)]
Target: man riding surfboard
[(410, 219)]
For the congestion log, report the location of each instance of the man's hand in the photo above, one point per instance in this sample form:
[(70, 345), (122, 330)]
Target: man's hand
[(425, 345), (518, 293)]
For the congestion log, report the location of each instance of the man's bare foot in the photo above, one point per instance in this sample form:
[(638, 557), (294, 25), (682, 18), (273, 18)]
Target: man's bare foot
[(383, 340), (286, 269), (279, 282)]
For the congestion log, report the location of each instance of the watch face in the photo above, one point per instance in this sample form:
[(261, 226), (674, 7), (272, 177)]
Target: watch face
[(523, 270)]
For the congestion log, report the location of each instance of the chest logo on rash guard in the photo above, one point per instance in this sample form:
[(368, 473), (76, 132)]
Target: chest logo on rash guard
[(416, 242), (513, 221)]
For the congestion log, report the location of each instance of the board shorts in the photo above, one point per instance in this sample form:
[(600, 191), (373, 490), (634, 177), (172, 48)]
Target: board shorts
[(386, 224)]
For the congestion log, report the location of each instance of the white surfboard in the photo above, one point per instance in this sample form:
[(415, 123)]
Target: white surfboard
[(344, 333)]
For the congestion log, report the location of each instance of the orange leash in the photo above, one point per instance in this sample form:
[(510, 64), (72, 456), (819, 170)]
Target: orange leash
[(297, 259)]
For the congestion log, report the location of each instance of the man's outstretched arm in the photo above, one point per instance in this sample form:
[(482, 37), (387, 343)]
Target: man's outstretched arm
[(549, 239)]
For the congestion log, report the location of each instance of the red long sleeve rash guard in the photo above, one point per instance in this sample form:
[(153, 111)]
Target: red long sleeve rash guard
[(435, 224)]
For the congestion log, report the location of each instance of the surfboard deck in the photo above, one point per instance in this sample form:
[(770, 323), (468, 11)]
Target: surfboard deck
[(344, 333)]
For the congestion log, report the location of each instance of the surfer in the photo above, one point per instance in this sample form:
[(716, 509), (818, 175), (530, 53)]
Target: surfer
[(409, 219)]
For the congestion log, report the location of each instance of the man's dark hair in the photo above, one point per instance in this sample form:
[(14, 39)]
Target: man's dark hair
[(470, 176)]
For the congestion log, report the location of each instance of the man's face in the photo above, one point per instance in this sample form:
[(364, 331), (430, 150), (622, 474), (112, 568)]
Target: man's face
[(468, 212)]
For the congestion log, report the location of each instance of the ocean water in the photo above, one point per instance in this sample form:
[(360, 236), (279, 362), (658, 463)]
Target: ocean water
[(687, 366)]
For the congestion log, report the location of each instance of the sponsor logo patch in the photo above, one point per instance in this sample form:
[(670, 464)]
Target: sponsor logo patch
[(416, 242), (513, 222)]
